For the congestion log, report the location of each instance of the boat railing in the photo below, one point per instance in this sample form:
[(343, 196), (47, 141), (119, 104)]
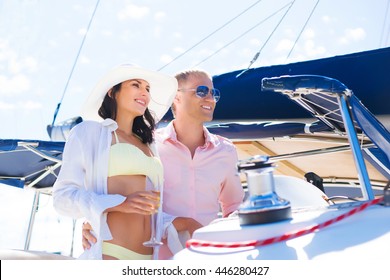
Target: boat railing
[(332, 103)]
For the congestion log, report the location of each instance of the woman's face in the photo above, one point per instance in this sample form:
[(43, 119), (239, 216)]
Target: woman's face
[(133, 97)]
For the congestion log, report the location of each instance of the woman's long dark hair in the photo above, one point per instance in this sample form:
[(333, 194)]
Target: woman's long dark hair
[(143, 126)]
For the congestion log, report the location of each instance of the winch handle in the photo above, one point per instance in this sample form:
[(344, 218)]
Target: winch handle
[(255, 162)]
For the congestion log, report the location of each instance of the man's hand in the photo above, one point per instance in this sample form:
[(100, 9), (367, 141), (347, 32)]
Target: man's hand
[(88, 237), (189, 224)]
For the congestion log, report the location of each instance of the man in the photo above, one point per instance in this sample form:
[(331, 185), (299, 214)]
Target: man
[(200, 176)]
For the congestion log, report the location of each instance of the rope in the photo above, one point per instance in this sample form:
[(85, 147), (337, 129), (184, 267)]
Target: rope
[(241, 35), (303, 28), (208, 36), (383, 26), (284, 237), (74, 64), (269, 37)]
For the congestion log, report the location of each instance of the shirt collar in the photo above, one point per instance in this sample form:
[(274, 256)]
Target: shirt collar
[(210, 139), (169, 133), (110, 124)]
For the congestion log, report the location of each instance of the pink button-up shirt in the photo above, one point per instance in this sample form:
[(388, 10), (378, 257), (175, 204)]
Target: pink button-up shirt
[(197, 187)]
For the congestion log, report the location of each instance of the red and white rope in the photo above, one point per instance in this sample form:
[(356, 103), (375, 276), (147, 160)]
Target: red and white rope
[(284, 237)]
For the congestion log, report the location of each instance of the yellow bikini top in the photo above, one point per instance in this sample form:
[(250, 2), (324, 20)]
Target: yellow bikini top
[(127, 159)]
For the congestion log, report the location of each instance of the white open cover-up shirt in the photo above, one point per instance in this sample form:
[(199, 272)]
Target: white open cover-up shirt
[(81, 187)]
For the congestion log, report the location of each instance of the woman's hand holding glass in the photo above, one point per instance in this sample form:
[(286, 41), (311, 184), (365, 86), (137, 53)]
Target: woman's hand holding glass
[(153, 242), (141, 202)]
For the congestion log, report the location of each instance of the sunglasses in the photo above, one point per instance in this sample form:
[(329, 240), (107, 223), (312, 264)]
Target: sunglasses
[(203, 91)]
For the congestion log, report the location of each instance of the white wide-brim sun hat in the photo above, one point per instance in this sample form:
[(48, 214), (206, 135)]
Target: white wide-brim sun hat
[(163, 89)]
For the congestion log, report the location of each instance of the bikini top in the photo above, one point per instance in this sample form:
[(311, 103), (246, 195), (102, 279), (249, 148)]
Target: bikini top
[(127, 159)]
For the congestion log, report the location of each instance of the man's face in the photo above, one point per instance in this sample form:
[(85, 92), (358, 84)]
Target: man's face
[(189, 105)]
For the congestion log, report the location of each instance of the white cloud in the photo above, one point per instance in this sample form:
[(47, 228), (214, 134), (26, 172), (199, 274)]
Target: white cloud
[(52, 43), (82, 31), (133, 12), (157, 31), (221, 48), (203, 53), (31, 63), (303, 50), (312, 50), (14, 66), (25, 106), (178, 50), (78, 7), (356, 34), (328, 19), (288, 32), (295, 57), (165, 58), (246, 52), (255, 42), (284, 45), (177, 35), (352, 35), (31, 105), (309, 33), (16, 84), (84, 59), (106, 32), (6, 106), (160, 16), (16, 81)]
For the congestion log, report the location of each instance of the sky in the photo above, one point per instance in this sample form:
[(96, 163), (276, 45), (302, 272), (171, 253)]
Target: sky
[(53, 50), (48, 53)]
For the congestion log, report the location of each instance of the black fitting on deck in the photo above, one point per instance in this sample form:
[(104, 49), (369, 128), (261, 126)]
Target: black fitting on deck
[(386, 195)]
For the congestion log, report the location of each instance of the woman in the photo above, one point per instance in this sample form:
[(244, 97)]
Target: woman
[(108, 165)]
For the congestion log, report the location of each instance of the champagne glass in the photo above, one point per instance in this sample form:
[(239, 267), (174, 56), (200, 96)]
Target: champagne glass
[(153, 242)]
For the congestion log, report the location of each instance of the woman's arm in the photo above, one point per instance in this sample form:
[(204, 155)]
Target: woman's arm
[(77, 191), (180, 224)]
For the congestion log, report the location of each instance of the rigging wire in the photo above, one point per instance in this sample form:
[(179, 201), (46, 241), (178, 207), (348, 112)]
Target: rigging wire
[(231, 42), (269, 37), (303, 28), (75, 62), (212, 33), (383, 26)]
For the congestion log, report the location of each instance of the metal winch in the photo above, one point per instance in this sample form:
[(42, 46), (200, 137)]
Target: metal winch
[(263, 205)]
